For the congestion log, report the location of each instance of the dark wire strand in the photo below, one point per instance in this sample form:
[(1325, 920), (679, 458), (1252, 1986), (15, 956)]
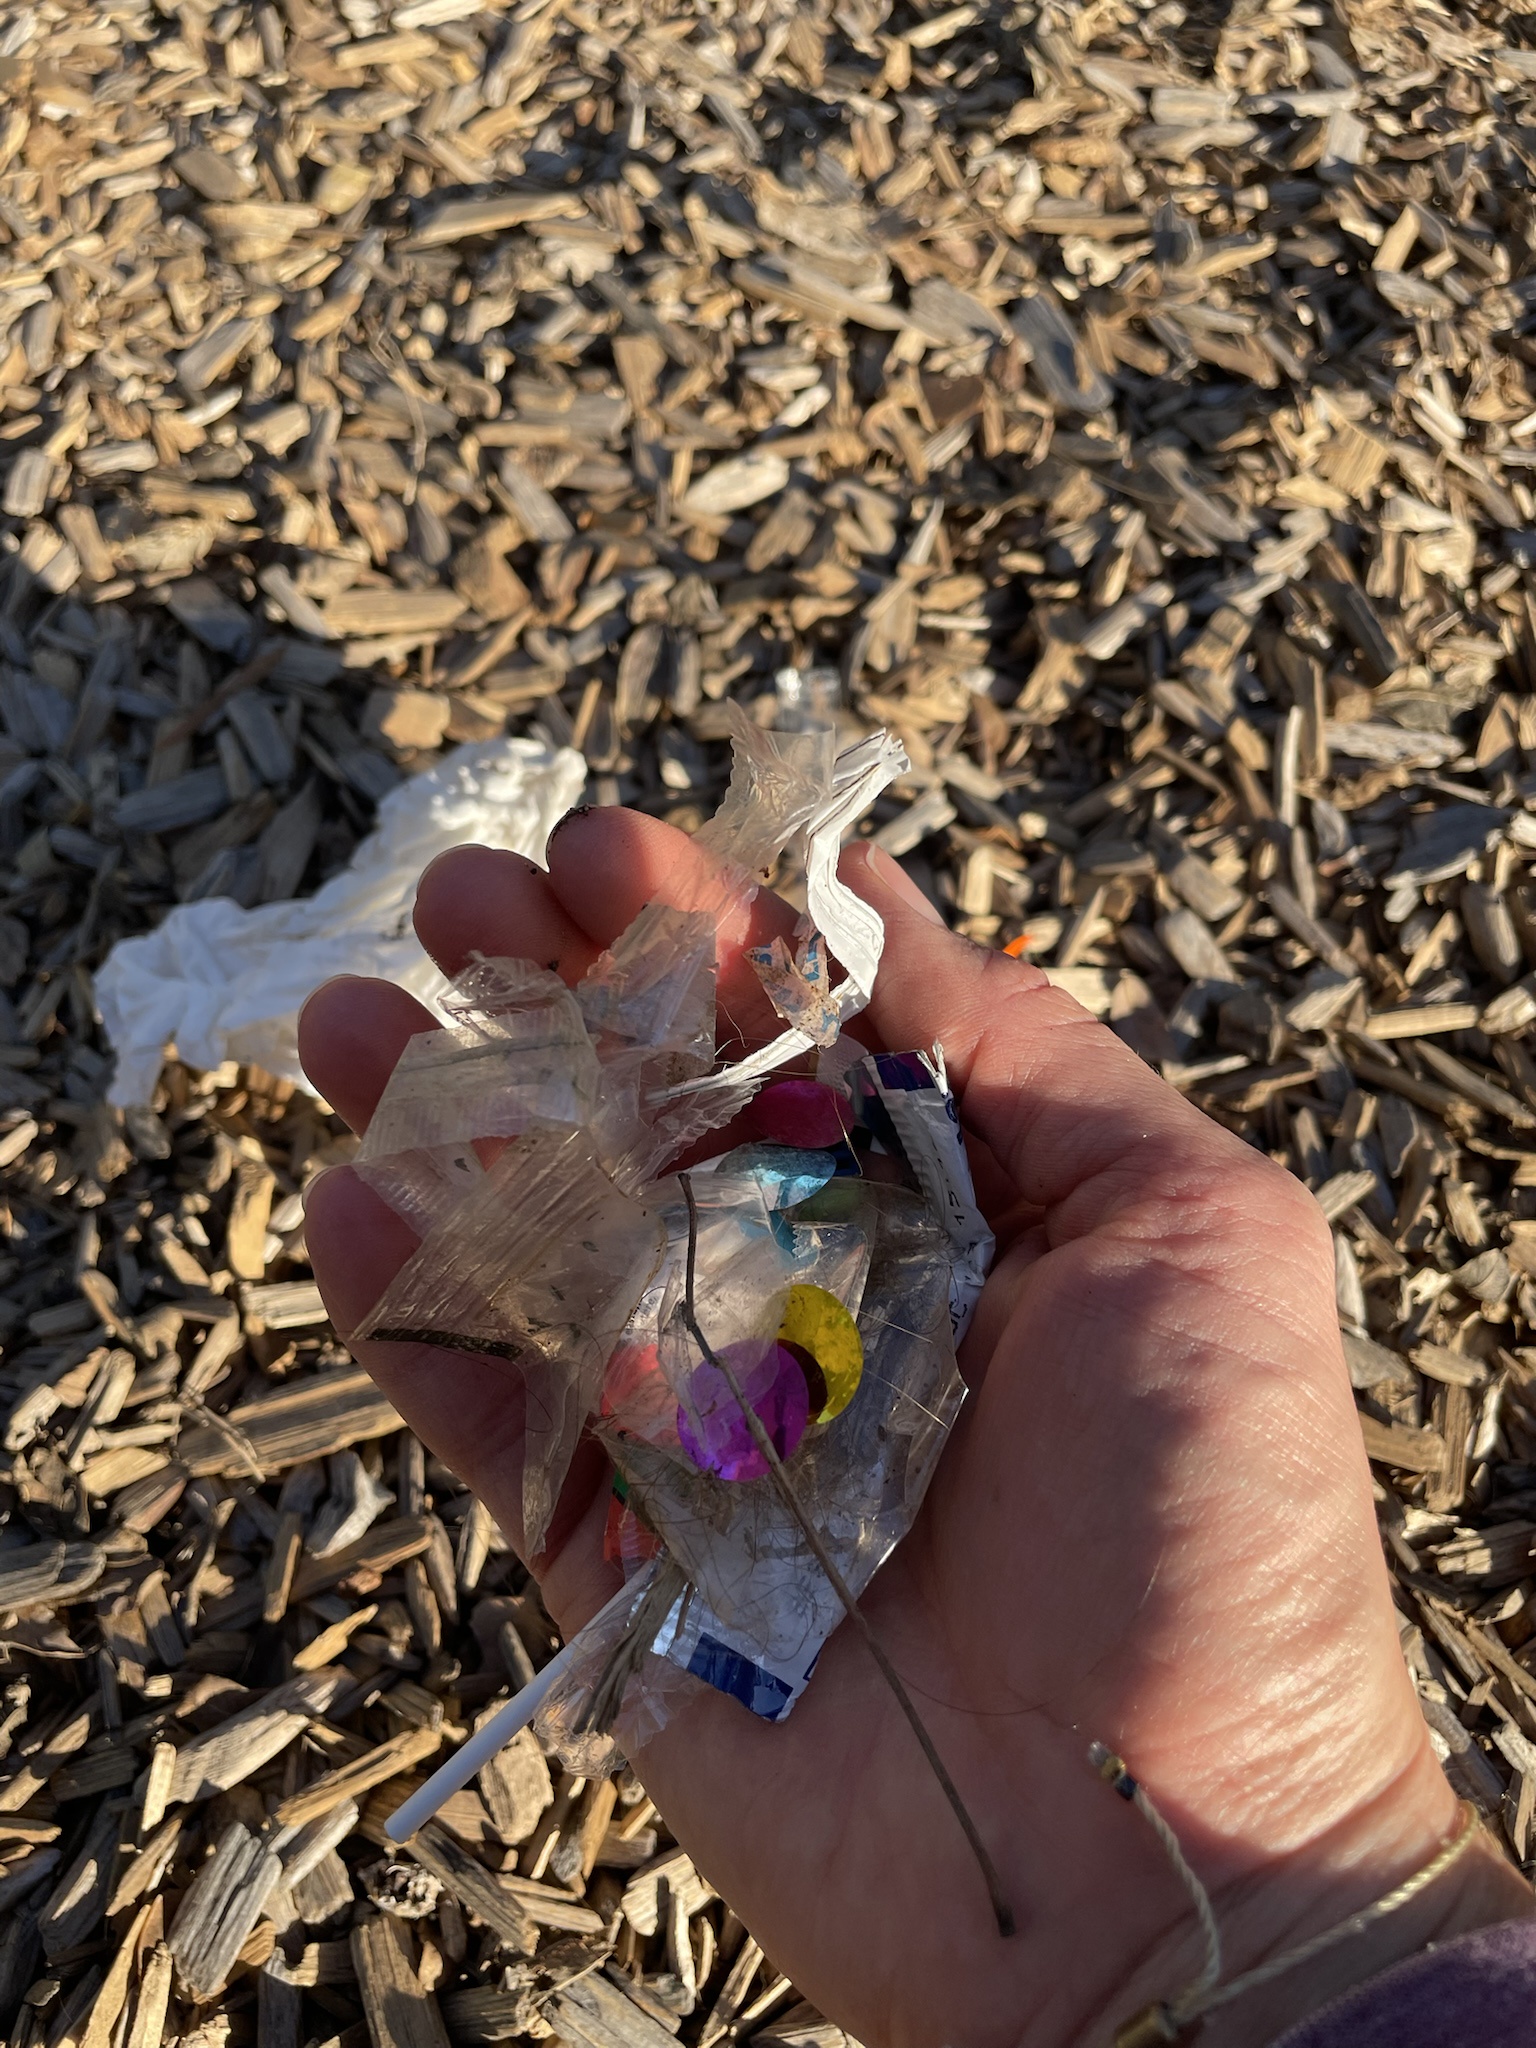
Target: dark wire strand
[(764, 1442)]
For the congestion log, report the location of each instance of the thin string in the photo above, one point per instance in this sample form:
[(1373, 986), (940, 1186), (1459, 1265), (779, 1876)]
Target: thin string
[(781, 1479), (1357, 1922), (1206, 1993), (1210, 1975)]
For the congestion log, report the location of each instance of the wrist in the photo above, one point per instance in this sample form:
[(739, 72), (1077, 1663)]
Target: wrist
[(1481, 1889), (1290, 1900)]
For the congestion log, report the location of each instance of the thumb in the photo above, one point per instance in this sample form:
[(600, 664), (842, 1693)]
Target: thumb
[(1067, 1109)]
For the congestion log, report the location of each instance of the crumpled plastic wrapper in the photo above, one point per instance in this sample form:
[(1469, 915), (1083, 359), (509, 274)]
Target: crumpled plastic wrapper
[(220, 982), (533, 1142)]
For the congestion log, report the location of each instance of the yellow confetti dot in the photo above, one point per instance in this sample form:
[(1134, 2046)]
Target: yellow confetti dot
[(818, 1323)]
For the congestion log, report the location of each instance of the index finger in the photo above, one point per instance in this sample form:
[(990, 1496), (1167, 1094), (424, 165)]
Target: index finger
[(605, 866)]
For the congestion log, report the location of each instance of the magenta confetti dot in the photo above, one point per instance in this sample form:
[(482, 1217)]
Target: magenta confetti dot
[(801, 1112), (770, 1378)]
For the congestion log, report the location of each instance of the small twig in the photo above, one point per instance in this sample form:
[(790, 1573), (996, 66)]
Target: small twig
[(791, 1499), (235, 1437), (658, 1600), (542, 1998)]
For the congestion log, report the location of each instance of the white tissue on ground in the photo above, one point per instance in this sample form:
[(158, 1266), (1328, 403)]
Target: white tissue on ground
[(218, 982)]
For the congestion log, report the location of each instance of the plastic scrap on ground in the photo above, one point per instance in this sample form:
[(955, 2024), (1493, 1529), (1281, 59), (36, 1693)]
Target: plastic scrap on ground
[(220, 982)]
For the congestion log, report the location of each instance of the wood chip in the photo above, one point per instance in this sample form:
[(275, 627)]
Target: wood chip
[(401, 2012)]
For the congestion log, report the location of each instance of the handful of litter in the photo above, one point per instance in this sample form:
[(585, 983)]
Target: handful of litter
[(765, 1343)]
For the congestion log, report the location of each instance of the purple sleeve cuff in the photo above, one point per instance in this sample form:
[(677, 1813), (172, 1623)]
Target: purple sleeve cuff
[(1478, 1991)]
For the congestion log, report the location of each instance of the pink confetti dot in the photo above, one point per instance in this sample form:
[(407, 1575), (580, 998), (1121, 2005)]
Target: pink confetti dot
[(801, 1112)]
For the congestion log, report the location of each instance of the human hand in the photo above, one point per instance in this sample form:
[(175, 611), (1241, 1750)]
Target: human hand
[(1152, 1525)]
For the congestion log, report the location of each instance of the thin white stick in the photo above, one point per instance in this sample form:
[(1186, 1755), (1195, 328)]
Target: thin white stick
[(490, 1740), (478, 1749)]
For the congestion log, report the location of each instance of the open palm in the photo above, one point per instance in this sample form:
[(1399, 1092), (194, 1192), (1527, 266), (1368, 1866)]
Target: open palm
[(1152, 1525)]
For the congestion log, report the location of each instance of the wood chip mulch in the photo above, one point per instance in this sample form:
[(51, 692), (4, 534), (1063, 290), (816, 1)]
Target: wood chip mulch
[(1133, 407)]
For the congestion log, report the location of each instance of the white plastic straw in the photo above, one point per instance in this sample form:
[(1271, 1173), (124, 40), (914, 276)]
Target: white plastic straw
[(490, 1740), (478, 1750)]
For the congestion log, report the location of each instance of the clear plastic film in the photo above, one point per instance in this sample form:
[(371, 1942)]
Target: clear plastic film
[(540, 1263), (732, 1596), (758, 1591), (779, 781), (612, 1655), (844, 922), (516, 1054), (817, 1282), (649, 1006)]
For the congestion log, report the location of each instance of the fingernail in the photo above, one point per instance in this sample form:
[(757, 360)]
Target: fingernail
[(576, 811), (891, 875)]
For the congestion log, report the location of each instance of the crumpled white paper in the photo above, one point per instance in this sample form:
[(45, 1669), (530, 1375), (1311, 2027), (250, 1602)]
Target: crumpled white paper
[(219, 982)]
